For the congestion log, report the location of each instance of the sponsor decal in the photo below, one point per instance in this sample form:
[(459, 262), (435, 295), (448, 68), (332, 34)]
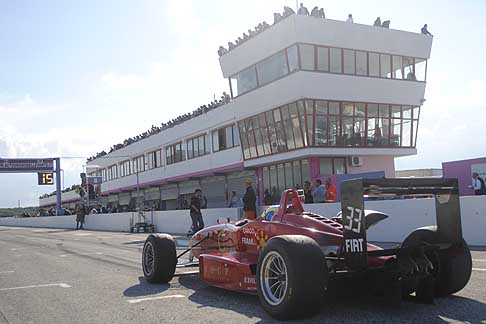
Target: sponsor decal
[(249, 280), (248, 241), (355, 220), (262, 238), (249, 230), (354, 245)]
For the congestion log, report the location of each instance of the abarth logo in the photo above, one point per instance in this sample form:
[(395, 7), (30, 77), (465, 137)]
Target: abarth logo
[(262, 238)]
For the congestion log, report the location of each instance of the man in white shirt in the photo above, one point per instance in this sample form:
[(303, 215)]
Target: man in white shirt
[(478, 184), (350, 18)]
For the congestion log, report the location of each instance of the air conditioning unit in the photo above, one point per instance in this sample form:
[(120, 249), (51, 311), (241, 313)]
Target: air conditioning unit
[(356, 161)]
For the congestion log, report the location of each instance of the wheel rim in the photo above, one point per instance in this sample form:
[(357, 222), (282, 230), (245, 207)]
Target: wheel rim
[(273, 278), (148, 258)]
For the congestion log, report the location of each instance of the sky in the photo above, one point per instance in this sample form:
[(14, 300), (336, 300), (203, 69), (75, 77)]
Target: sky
[(79, 76)]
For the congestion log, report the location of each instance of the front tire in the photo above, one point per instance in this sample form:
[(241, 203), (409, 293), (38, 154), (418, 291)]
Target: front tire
[(291, 277), (159, 258)]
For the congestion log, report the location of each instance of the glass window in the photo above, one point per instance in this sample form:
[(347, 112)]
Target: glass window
[(407, 112), (244, 81), (266, 178), (396, 129), (281, 177), (307, 57), (215, 141), (201, 150), (323, 59), (339, 165), (236, 136), (298, 182), (293, 58), (321, 130), (348, 63), (305, 171), (407, 133), (420, 69), (207, 143), (272, 68), (336, 64), (325, 166), (299, 141), (414, 132), (310, 121), (385, 61), (374, 64), (397, 67), (229, 136), (361, 63), (289, 134), (408, 67), (289, 178), (372, 110), (190, 149), (333, 108), (333, 128), (273, 177)]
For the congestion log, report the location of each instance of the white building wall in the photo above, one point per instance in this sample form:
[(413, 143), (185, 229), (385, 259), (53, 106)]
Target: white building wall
[(404, 217), (326, 32)]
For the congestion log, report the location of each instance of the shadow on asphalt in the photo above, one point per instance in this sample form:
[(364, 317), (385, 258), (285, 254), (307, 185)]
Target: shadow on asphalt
[(143, 288), (351, 309)]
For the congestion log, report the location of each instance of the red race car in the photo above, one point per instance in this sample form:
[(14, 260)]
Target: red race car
[(293, 259)]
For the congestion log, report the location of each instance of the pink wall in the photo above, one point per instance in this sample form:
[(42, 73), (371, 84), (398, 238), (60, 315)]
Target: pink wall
[(375, 163)]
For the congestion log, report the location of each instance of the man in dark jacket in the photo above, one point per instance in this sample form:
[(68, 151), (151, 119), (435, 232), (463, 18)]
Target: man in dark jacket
[(195, 211), (249, 201), (80, 213), (308, 199)]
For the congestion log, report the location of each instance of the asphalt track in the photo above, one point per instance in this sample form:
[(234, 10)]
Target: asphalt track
[(60, 276)]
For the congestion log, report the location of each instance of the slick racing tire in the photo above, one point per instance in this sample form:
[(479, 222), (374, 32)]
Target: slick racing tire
[(159, 258), (452, 267), (291, 277)]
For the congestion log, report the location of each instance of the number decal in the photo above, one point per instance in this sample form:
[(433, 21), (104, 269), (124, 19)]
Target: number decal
[(354, 217)]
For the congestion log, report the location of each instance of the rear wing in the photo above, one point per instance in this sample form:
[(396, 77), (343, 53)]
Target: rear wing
[(445, 192)]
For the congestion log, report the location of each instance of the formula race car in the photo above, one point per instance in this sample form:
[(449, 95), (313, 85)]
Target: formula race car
[(295, 259)]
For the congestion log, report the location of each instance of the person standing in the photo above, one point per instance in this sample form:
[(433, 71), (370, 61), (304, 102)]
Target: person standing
[(377, 22), (80, 213), (308, 199), (425, 31), (315, 12), (195, 211), (249, 201), (331, 191), (233, 203), (319, 193), (478, 184), (350, 18), (303, 10)]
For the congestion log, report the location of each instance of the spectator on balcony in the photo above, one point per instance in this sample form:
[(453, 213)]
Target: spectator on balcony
[(288, 12), (231, 46), (350, 18), (303, 10), (315, 12), (377, 22), (386, 24), (277, 17), (322, 14), (425, 31), (222, 51)]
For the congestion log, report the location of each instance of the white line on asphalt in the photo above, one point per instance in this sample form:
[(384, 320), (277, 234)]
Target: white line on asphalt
[(10, 271), (62, 285), (139, 300), (91, 253), (479, 260), (477, 269)]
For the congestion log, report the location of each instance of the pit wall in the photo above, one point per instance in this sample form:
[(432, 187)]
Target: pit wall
[(405, 216)]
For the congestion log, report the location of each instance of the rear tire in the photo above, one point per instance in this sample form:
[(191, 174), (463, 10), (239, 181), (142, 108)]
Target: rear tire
[(453, 267), (159, 258), (291, 277)]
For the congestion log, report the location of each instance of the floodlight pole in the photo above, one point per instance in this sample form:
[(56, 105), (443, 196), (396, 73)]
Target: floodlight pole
[(59, 210)]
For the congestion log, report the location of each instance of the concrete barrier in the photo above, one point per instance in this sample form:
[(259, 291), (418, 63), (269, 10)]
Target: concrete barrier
[(405, 216)]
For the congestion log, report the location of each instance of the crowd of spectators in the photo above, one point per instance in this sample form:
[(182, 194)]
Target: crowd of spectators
[(73, 187), (277, 17), (225, 98)]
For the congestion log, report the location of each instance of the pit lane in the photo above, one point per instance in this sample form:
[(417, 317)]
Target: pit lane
[(62, 276)]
